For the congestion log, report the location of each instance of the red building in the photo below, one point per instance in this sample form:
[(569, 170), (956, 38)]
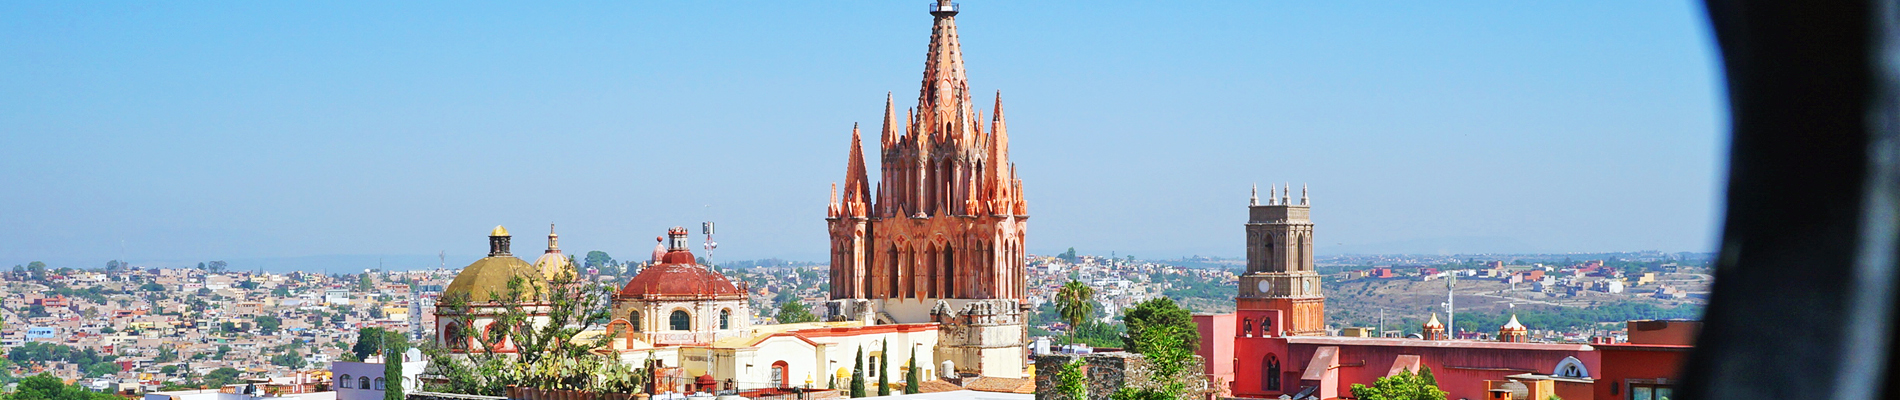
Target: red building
[(1256, 355)]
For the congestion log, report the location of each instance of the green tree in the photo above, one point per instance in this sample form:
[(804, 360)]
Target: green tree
[(1070, 385), (268, 324), (597, 259), (1076, 303), (288, 360), (913, 374), (1403, 386), (165, 353), (367, 342), (1160, 311), (1169, 350), (794, 311), (47, 387), (394, 345), (538, 318), (168, 370), (857, 375), (365, 282), (883, 369), (103, 369), (221, 376)]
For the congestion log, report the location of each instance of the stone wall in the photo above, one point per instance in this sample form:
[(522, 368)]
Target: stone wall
[(1108, 372)]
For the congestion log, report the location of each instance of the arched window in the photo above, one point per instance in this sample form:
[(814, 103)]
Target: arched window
[(781, 375), (725, 319), (1571, 367), (362, 382), (345, 381), (454, 337), (1272, 380), (379, 383), (681, 321), (633, 317)]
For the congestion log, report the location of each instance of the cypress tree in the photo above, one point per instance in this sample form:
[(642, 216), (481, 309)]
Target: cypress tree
[(857, 375), (1425, 375), (884, 370), (394, 345), (911, 378)]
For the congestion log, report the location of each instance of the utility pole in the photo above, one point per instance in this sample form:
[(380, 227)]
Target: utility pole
[(1381, 322)]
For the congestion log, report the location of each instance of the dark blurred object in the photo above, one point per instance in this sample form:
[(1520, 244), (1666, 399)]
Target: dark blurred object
[(1803, 303)]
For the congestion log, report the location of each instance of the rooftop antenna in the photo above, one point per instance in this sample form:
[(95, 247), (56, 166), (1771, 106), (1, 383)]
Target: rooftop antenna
[(1451, 300), (707, 228)]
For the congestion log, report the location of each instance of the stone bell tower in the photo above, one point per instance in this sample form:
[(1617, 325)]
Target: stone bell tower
[(1280, 287)]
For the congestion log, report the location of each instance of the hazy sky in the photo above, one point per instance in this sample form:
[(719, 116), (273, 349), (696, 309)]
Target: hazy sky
[(185, 132)]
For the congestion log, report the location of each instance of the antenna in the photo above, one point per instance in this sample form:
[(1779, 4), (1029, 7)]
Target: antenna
[(707, 228), (1451, 300)]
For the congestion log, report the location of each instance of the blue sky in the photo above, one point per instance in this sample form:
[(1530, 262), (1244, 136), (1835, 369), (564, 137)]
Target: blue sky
[(253, 130)]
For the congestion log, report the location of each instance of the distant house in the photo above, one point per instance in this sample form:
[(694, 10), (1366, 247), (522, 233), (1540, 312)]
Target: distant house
[(41, 332), (336, 296)]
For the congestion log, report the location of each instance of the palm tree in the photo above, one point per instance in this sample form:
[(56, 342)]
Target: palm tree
[(1076, 302)]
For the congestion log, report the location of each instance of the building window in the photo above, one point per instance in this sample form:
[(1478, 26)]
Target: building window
[(874, 367), (454, 337), (1650, 391), (781, 373), (362, 382), (379, 383), (634, 318), (1272, 380), (725, 319), (681, 321), (345, 381)]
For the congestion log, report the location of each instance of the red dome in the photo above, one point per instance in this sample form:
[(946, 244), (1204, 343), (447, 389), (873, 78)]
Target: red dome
[(679, 278)]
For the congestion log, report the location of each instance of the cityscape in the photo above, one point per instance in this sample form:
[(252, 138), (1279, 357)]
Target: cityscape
[(931, 284)]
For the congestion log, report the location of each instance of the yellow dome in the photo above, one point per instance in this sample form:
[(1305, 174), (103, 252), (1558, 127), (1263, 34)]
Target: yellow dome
[(490, 276), (499, 231), (551, 265), (1434, 322)]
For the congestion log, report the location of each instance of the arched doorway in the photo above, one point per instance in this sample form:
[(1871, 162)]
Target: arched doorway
[(1271, 379), (633, 318)]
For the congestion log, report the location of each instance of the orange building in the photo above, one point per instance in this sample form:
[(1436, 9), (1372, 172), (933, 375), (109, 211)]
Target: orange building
[(947, 218), (940, 239)]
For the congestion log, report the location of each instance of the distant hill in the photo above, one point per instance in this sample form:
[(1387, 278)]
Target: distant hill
[(1440, 246)]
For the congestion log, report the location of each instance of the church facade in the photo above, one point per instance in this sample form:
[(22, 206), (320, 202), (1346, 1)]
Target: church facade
[(940, 237)]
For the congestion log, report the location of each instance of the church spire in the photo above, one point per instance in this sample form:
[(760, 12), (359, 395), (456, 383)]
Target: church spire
[(1254, 199), (857, 186), (944, 99), (890, 121)]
